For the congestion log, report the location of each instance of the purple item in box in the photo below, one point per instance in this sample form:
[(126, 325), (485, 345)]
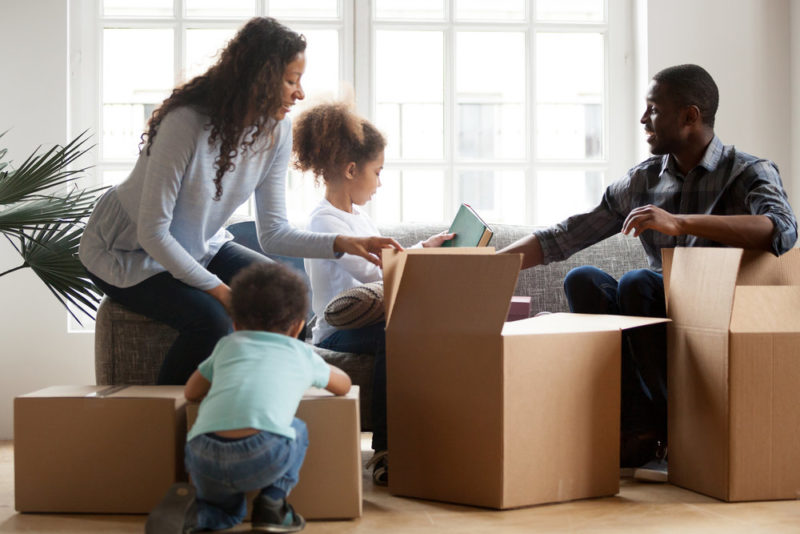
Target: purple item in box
[(520, 308)]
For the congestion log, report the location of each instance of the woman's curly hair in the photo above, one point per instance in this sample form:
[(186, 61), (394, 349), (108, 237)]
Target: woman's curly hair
[(329, 136), (245, 83)]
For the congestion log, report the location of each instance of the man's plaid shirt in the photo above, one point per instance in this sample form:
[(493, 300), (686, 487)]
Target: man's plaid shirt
[(725, 182)]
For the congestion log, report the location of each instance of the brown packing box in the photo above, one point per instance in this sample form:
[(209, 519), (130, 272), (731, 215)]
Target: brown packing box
[(97, 449), (489, 413), (330, 479), (734, 372)]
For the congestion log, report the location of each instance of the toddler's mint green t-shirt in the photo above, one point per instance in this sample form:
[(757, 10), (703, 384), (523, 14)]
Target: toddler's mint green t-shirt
[(257, 380)]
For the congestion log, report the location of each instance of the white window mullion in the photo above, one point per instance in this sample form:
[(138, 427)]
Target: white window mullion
[(450, 114), (530, 119)]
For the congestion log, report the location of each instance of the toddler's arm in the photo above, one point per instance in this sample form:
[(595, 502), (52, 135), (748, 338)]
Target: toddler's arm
[(197, 386), (338, 382)]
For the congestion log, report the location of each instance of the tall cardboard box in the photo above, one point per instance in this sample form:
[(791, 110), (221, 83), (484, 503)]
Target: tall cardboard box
[(330, 484), (97, 449), (488, 413), (734, 372)]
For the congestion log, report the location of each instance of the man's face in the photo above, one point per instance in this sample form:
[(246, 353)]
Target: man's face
[(662, 120)]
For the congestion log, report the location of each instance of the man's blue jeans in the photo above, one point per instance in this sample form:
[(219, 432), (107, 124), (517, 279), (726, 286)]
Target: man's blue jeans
[(198, 317), (223, 471), (644, 349), (368, 340)]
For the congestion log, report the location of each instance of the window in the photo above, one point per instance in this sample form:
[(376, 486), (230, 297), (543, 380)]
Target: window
[(506, 105)]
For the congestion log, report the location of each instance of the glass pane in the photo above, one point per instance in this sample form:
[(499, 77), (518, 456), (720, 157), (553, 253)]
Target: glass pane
[(560, 194), (302, 196), (409, 9), (572, 11), (409, 92), (497, 196), (490, 92), (137, 77), (304, 8), (322, 79), (500, 10), (140, 8), (215, 8), (423, 196), (570, 74), (203, 47), (386, 202)]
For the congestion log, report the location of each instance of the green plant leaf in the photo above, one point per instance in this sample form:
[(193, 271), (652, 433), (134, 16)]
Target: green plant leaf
[(40, 172), (52, 253)]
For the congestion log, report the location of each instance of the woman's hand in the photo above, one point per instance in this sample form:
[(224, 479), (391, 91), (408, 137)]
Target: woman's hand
[(437, 239), (223, 294), (368, 248)]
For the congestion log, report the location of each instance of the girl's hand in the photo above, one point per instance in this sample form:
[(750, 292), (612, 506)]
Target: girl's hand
[(368, 248), (437, 239), (223, 294)]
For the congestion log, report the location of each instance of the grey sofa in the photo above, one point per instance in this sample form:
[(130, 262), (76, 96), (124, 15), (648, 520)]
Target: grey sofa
[(129, 347)]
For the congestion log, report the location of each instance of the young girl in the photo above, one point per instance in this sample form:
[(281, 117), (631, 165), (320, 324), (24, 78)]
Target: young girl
[(346, 152), (156, 243)]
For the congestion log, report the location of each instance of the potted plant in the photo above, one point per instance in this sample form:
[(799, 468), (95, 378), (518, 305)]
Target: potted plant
[(42, 214)]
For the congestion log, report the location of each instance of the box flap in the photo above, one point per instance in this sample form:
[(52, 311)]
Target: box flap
[(701, 286), (766, 309), (435, 289), (564, 323)]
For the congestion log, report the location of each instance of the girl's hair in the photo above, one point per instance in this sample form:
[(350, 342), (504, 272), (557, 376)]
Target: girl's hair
[(329, 136), (248, 77)]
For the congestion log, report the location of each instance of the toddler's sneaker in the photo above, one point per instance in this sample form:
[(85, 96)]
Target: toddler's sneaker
[(176, 513), (380, 468), (270, 515)]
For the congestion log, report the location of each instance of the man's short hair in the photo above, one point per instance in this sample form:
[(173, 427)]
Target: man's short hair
[(692, 85), (269, 297)]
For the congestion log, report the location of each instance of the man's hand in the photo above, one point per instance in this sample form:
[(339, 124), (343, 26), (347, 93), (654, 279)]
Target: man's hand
[(368, 248), (652, 218)]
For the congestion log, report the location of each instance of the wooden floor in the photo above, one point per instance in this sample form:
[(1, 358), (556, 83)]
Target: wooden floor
[(638, 508)]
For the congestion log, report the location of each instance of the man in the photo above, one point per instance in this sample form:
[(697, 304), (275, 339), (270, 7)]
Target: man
[(693, 192)]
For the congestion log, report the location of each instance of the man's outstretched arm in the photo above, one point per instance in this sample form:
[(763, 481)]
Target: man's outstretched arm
[(529, 247), (743, 231)]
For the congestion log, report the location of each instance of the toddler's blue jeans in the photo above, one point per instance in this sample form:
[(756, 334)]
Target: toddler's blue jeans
[(223, 471)]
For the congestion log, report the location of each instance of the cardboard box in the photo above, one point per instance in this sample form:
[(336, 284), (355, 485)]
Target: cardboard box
[(330, 480), (97, 449), (488, 413), (734, 372)]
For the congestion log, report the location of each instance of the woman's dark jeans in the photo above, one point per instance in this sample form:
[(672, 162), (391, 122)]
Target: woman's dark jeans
[(198, 317)]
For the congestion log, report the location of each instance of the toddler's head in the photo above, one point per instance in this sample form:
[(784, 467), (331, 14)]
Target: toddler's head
[(269, 297), (330, 140)]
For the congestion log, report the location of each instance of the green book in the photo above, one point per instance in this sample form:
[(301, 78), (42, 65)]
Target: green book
[(470, 229)]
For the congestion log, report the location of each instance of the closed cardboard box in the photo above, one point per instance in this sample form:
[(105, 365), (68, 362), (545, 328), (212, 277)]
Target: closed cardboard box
[(734, 372), (490, 413), (97, 449), (330, 485)]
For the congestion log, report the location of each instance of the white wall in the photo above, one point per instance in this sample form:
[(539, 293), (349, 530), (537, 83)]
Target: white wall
[(745, 46), (36, 349)]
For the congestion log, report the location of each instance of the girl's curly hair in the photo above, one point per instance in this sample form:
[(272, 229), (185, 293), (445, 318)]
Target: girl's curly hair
[(329, 136), (245, 83)]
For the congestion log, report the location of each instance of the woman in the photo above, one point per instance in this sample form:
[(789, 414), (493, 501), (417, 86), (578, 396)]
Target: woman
[(156, 243)]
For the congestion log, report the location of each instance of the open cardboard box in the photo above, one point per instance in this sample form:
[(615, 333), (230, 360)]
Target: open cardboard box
[(330, 485), (734, 372), (489, 413), (97, 449)]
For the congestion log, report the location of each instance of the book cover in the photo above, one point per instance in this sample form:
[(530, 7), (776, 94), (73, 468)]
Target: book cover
[(470, 229)]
